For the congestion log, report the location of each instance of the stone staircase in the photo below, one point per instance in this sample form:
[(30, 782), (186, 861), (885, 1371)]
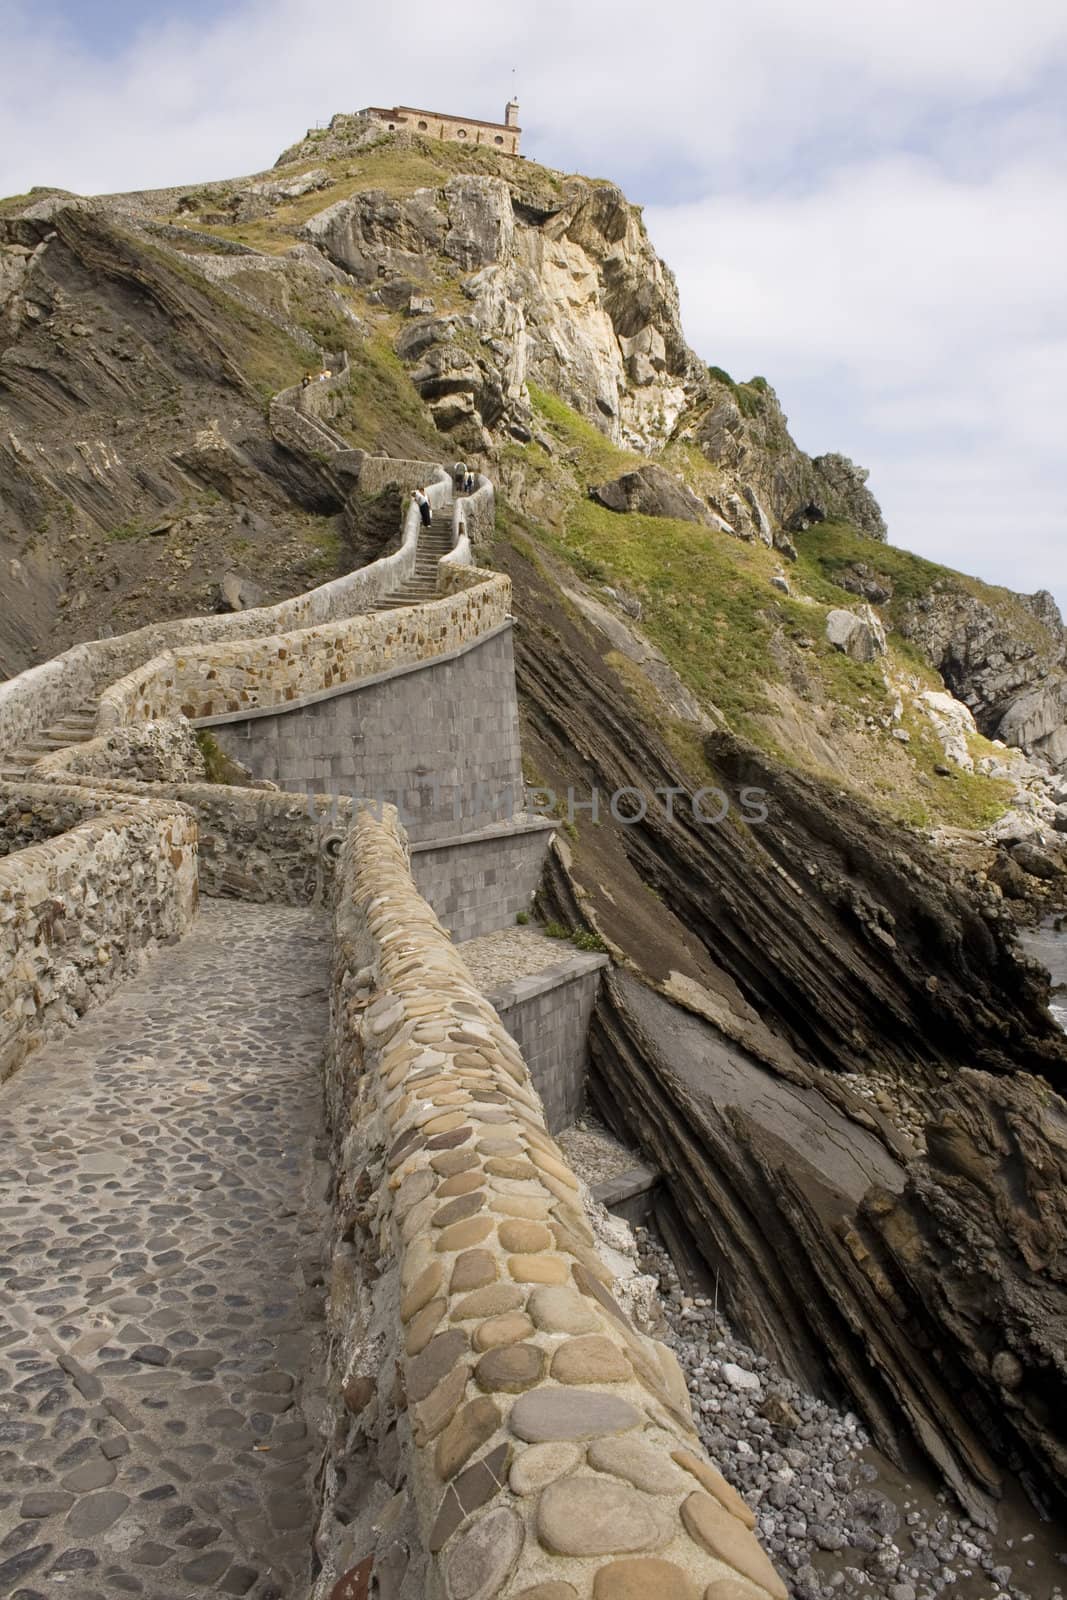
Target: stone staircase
[(79, 725), (434, 542), (75, 727)]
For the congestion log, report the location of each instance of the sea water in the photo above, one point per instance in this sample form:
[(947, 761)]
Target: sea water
[(1048, 944)]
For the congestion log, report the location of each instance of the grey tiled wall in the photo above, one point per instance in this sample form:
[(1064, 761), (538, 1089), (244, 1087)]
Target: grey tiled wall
[(480, 887), (440, 741), (548, 1017)]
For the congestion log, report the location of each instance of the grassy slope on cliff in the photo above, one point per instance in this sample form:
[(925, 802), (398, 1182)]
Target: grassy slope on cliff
[(755, 654)]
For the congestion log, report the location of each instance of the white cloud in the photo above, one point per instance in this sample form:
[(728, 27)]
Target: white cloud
[(929, 309), (866, 203)]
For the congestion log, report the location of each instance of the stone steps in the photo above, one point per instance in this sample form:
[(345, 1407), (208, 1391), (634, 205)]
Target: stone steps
[(75, 727), (434, 543)]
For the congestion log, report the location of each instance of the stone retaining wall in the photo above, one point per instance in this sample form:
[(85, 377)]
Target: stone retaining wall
[(253, 844), (547, 1014), (439, 739), (503, 1427), (82, 903), (480, 883)]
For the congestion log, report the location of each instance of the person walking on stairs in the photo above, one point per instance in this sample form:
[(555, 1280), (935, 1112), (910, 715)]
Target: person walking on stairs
[(425, 509)]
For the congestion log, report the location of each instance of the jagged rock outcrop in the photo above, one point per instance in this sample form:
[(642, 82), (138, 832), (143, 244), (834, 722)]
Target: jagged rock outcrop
[(1004, 661), (863, 579), (742, 430), (655, 493), (345, 134), (564, 290), (843, 484), (975, 1247)]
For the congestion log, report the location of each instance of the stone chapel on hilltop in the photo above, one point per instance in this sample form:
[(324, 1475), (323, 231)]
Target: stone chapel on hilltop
[(503, 136)]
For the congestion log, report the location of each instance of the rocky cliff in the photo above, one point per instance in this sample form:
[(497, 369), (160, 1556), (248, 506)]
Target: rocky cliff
[(1003, 660), (703, 608)]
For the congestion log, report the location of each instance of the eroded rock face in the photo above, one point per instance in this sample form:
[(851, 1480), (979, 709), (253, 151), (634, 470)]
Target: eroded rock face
[(374, 230), (566, 293), (977, 1246), (116, 364), (1007, 665)]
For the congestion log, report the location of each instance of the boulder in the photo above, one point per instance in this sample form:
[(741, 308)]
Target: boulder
[(1037, 862), (856, 634), (953, 723), (1009, 877), (653, 492), (216, 460), (239, 594)]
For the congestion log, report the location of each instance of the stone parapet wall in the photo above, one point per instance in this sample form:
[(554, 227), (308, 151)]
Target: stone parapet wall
[(475, 514), (150, 752), (258, 845), (504, 1428), (378, 472), (82, 903), (262, 673)]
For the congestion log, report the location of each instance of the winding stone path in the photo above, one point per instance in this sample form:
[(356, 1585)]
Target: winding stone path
[(162, 1197)]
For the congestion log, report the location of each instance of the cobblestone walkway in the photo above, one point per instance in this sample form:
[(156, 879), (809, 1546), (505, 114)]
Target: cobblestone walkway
[(161, 1200)]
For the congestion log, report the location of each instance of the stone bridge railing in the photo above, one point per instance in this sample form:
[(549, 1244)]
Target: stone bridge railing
[(542, 1445)]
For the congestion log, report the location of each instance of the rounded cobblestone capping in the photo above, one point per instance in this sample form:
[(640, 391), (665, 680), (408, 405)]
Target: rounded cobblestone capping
[(538, 1445)]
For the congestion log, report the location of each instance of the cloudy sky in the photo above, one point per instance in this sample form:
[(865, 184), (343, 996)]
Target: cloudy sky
[(865, 203)]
